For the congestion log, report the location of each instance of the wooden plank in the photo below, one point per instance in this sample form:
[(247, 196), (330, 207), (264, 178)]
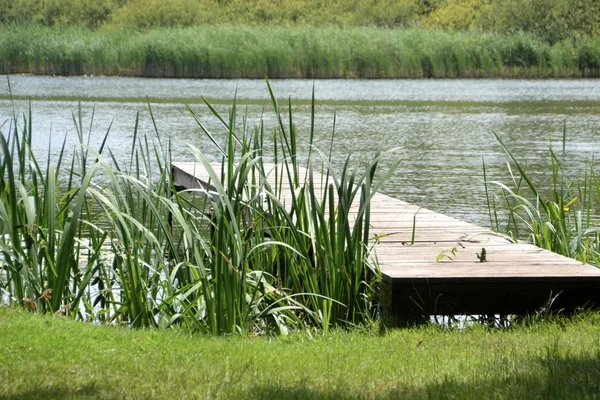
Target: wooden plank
[(468, 261), (468, 251), (441, 238)]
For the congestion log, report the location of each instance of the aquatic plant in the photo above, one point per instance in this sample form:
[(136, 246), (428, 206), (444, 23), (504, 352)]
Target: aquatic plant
[(562, 219), (90, 237)]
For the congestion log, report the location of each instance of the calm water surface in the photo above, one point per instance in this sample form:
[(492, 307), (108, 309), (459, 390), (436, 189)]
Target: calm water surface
[(444, 127)]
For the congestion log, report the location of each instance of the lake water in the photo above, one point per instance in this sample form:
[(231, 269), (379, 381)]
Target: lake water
[(443, 127)]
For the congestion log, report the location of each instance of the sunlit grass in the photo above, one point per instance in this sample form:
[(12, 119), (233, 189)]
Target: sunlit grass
[(43, 356)]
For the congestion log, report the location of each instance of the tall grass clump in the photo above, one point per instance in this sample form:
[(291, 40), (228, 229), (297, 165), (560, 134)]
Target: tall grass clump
[(562, 218), (269, 244), (290, 52)]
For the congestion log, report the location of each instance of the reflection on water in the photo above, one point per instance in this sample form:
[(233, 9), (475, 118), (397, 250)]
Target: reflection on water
[(444, 128)]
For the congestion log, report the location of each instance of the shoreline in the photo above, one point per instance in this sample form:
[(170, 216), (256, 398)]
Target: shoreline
[(595, 76)]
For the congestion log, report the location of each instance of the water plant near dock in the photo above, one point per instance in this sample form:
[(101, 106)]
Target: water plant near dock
[(560, 217), (90, 237)]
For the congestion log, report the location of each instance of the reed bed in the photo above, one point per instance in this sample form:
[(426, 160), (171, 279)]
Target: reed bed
[(290, 52), (91, 238), (562, 218)]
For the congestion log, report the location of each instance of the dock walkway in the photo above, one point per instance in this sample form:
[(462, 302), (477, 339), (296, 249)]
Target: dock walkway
[(445, 266)]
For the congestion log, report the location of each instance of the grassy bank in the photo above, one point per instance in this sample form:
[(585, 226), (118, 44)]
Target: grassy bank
[(291, 52), (50, 357)]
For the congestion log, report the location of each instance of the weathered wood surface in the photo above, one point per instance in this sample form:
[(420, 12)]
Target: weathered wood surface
[(409, 240)]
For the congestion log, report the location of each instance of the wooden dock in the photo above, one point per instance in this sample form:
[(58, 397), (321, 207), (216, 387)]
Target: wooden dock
[(438, 268)]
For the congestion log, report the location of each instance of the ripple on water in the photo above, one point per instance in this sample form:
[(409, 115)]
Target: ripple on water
[(443, 127)]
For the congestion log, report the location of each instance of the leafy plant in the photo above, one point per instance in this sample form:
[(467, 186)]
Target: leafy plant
[(446, 253)]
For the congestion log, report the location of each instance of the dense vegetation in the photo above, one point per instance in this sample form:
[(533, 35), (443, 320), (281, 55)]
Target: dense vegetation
[(86, 236), (550, 20), (290, 52), (49, 357), (308, 38)]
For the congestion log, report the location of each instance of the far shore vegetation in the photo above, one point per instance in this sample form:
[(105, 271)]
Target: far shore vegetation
[(302, 39)]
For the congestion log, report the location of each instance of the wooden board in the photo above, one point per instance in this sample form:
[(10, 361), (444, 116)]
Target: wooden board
[(430, 261)]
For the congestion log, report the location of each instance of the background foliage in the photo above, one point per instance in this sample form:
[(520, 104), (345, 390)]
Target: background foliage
[(291, 52), (549, 20)]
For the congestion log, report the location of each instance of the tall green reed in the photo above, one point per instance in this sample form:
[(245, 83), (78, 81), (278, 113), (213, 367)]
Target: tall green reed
[(40, 224), (562, 219), (298, 225), (92, 237), (290, 52)]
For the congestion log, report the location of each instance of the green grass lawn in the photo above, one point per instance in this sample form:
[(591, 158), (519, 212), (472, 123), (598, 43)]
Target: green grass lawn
[(52, 357)]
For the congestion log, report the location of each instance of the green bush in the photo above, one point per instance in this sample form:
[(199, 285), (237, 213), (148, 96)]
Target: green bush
[(455, 14), (152, 13), (550, 20), (166, 13), (90, 13)]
